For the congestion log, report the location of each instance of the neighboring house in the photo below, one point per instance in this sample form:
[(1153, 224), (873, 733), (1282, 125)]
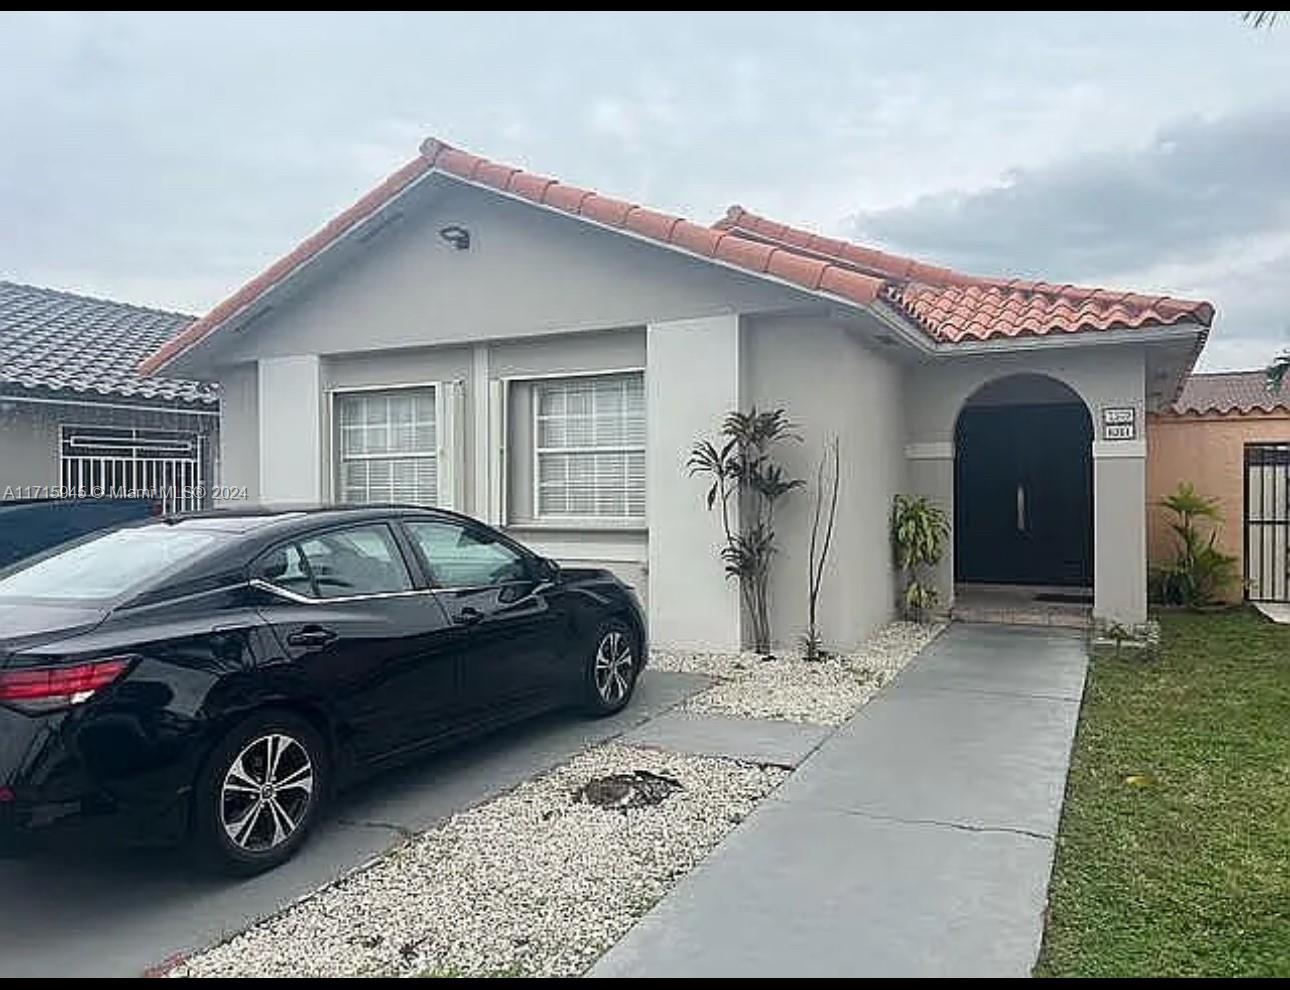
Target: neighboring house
[(480, 337), (1229, 437), (76, 417)]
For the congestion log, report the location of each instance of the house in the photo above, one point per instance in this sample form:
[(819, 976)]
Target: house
[(77, 418), (1229, 437), (542, 356)]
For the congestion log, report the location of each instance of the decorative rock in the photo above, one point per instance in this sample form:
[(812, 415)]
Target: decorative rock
[(791, 688), (533, 883)]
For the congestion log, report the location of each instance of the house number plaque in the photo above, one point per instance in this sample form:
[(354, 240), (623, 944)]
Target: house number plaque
[(1119, 423)]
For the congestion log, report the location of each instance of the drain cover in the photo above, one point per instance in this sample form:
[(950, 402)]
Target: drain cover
[(638, 789)]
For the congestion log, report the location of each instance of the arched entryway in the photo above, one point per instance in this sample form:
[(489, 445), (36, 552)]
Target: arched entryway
[(1023, 485)]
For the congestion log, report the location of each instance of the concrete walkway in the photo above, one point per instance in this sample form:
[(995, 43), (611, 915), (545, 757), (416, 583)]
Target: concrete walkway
[(751, 740), (916, 841)]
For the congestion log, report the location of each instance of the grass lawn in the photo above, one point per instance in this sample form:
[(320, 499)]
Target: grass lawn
[(1173, 857)]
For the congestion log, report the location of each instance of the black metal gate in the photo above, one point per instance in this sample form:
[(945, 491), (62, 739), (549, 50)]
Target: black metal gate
[(1267, 522)]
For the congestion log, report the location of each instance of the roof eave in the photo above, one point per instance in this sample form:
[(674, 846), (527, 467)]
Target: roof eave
[(202, 331), (25, 394)]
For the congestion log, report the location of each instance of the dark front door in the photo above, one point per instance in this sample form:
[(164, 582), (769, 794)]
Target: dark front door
[(1023, 508)]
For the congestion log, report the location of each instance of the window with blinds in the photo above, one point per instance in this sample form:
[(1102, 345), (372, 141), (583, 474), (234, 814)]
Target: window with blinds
[(589, 442), (387, 444)]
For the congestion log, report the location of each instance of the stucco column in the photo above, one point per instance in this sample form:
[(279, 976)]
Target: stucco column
[(692, 379), (930, 470), (1120, 531), (290, 427)]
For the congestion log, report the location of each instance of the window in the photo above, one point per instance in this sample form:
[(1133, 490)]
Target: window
[(387, 447), (107, 566), (460, 557), (589, 438), (285, 568), (363, 560)]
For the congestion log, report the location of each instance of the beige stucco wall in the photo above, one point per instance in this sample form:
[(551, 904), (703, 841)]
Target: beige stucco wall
[(1208, 452)]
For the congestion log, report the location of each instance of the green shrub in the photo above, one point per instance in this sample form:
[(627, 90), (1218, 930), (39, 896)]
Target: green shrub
[(1199, 572)]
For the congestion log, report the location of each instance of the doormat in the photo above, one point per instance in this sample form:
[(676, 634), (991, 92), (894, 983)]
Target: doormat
[(1064, 598)]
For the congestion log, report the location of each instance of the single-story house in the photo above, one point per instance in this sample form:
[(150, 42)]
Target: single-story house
[(1229, 437), (542, 356), (77, 418)]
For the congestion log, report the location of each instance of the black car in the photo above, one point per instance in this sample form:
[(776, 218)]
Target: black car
[(217, 676)]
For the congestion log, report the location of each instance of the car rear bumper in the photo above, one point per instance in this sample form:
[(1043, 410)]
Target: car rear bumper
[(49, 791)]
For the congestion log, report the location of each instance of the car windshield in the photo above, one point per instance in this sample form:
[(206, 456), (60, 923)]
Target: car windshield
[(105, 567)]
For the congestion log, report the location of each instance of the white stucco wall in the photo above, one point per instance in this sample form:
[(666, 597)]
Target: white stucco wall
[(291, 424), (832, 385), (692, 380), (239, 460), (528, 272)]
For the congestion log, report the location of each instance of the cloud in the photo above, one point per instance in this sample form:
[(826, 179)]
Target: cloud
[(1184, 194), (165, 158), (1201, 209)]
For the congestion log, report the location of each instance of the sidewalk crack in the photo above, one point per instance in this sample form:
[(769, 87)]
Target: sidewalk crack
[(961, 826)]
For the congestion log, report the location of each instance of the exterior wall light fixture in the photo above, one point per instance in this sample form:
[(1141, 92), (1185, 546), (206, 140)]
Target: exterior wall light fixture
[(458, 237)]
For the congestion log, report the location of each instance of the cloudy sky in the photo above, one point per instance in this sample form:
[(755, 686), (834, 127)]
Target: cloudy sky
[(165, 159)]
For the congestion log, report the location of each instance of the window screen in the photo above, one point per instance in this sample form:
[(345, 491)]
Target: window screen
[(590, 444), (387, 447)]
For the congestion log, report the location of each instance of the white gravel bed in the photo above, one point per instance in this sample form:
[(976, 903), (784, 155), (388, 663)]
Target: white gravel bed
[(787, 687), (531, 883)]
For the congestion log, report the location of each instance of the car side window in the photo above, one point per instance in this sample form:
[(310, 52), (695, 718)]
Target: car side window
[(461, 557), (284, 568), (361, 560)]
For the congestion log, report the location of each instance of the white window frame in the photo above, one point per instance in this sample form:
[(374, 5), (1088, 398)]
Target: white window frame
[(439, 454), (560, 519)]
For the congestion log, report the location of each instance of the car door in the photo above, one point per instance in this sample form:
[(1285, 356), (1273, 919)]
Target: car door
[(509, 631), (363, 634)]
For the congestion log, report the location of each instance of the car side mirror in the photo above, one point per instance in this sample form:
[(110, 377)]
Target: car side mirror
[(548, 569)]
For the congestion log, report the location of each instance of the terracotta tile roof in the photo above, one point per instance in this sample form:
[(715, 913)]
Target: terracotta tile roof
[(1229, 393), (952, 307), (56, 342), (814, 274), (935, 299)]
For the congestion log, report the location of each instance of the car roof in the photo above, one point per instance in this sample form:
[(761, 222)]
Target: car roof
[(270, 520)]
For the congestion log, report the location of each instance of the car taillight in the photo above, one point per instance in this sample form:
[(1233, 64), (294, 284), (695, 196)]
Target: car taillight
[(45, 688)]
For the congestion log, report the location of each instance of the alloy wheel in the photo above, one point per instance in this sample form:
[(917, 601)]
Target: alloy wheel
[(613, 669), (267, 792)]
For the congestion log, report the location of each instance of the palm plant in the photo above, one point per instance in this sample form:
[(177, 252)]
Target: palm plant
[(1199, 571), (746, 479), (1275, 372), (919, 531)]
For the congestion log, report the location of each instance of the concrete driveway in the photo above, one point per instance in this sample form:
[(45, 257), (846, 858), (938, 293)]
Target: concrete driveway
[(916, 841), (109, 913)]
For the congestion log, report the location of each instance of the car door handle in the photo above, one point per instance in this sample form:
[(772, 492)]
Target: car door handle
[(312, 636), (468, 616)]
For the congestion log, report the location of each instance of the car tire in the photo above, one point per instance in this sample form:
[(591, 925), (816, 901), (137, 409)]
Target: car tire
[(259, 793), (611, 668)]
